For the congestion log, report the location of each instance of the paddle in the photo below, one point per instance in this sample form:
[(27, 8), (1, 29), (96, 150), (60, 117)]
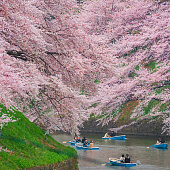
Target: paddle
[(105, 164), (150, 146)]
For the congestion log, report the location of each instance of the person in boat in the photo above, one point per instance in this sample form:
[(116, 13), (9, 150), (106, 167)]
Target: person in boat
[(83, 140), (91, 144), (112, 134), (158, 141), (85, 143), (162, 140), (127, 159), (122, 158), (106, 135), (78, 139), (74, 140)]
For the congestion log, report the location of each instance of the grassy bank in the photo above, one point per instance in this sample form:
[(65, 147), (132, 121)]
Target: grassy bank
[(24, 145)]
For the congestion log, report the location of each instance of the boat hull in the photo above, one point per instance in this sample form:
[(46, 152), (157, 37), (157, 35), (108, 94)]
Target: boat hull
[(161, 146), (121, 137), (117, 163), (72, 143), (87, 148)]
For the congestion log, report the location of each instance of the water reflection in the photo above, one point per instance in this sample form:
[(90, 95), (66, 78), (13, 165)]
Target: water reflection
[(150, 158)]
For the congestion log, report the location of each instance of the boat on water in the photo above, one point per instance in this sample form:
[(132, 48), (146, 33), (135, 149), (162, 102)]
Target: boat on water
[(121, 137), (117, 162), (73, 143), (161, 146), (76, 143), (86, 148)]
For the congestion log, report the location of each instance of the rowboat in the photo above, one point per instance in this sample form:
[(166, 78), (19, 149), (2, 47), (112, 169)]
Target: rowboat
[(116, 162), (121, 137), (72, 143), (161, 146), (86, 148)]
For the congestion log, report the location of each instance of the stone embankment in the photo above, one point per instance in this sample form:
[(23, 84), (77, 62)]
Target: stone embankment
[(71, 164), (150, 127)]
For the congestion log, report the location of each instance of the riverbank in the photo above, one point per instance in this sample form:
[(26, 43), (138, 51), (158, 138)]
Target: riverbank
[(144, 127), (25, 146)]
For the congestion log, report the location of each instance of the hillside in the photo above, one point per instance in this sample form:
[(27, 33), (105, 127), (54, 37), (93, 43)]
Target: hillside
[(65, 61), (23, 145)]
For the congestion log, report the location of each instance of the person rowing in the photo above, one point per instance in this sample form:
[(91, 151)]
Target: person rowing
[(74, 140), (85, 143), (106, 135), (91, 144), (83, 140), (122, 158), (78, 140), (158, 141)]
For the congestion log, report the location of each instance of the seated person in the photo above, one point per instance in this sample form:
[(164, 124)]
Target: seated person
[(122, 158), (162, 140), (158, 141), (91, 144), (127, 159), (74, 140), (83, 140), (106, 135), (85, 143), (78, 139), (112, 134)]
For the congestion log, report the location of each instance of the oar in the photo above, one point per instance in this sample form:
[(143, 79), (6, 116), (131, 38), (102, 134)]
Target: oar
[(150, 146), (105, 164)]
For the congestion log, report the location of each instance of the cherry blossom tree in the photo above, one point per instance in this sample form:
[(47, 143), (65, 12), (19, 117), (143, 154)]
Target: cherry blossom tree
[(60, 58)]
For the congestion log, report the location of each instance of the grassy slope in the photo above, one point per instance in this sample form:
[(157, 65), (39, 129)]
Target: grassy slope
[(28, 145)]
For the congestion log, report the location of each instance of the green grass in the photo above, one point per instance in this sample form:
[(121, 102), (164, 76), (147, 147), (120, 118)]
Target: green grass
[(28, 145)]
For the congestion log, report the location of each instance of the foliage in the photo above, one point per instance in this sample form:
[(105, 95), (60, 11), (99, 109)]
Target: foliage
[(151, 104), (96, 81), (27, 145)]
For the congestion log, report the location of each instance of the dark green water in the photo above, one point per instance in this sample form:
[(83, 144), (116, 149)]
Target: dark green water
[(135, 146)]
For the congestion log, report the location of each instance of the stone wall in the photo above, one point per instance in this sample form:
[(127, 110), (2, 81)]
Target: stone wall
[(71, 164), (150, 127)]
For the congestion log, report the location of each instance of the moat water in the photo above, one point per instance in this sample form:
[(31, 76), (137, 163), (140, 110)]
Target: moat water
[(136, 146)]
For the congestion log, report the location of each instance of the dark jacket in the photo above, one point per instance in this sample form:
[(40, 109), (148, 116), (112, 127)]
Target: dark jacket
[(127, 160), (78, 140), (85, 144), (83, 140)]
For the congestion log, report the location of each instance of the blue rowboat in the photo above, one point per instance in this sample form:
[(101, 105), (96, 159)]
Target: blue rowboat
[(121, 137), (86, 148), (72, 143), (117, 162), (161, 146)]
